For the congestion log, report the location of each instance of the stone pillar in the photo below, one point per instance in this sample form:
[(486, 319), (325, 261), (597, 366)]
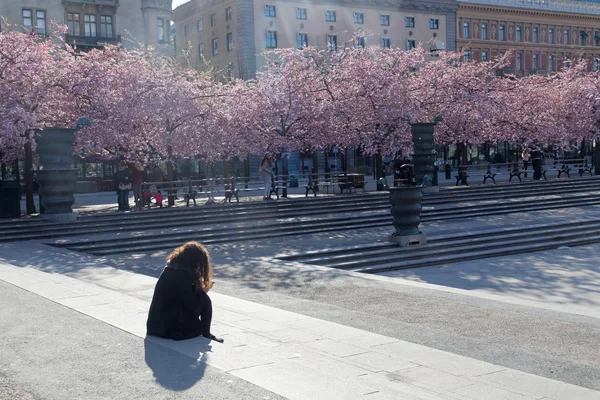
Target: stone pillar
[(406, 210), (424, 156), (56, 178)]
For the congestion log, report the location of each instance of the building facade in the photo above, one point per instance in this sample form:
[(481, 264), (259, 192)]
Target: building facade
[(542, 33), (232, 34), (94, 22)]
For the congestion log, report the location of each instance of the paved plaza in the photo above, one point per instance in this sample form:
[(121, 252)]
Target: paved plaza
[(515, 327)]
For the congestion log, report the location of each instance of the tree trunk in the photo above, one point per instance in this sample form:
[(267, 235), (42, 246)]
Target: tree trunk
[(28, 172), (597, 157), (284, 173)]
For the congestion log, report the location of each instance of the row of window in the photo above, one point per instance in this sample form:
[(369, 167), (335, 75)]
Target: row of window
[(302, 41), (535, 35), (90, 23), (213, 21), (535, 61), (215, 46), (359, 17)]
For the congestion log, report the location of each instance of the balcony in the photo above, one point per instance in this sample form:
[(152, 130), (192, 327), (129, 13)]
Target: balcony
[(112, 3), (90, 42), (567, 6)]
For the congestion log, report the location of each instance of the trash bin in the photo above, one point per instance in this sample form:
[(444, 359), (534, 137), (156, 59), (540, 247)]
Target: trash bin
[(10, 199), (293, 181)]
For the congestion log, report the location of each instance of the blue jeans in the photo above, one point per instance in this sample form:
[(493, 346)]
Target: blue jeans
[(123, 199)]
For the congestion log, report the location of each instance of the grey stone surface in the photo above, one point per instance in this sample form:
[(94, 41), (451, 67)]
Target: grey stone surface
[(51, 352)]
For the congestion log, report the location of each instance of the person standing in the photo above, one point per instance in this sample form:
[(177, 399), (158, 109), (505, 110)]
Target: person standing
[(136, 184), (266, 173), (536, 163), (525, 156), (123, 178)]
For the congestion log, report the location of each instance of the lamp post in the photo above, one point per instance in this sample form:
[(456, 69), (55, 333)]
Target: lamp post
[(56, 178)]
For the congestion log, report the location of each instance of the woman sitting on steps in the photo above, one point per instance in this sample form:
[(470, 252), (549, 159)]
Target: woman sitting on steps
[(181, 308)]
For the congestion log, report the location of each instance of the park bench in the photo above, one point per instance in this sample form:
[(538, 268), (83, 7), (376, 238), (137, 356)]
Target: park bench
[(586, 168), (564, 169), (489, 175), (515, 172)]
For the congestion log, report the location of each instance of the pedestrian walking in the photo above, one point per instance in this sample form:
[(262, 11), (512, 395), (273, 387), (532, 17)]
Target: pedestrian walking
[(266, 173), (181, 308), (123, 179), (525, 156)]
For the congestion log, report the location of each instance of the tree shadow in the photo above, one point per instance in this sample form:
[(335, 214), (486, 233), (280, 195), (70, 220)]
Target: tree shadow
[(175, 365)]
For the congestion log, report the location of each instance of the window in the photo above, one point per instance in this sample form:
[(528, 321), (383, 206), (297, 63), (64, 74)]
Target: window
[(466, 30), (215, 49), (160, 29), (200, 50), (359, 18), (385, 43), (566, 36), (519, 62), (596, 38), (566, 62), (518, 36), (271, 39), (228, 14), (199, 25), (595, 65), (229, 41), (300, 13), (410, 44), (535, 61), (384, 20), (330, 15), (40, 17), (550, 35), (269, 11), (536, 38), (465, 55), (484, 56), (484, 31), (551, 62), (332, 42), (73, 24), (89, 22), (582, 36), (106, 26), (409, 22), (213, 19), (501, 54), (28, 19), (502, 33), (186, 32), (360, 41), (434, 23), (302, 40)]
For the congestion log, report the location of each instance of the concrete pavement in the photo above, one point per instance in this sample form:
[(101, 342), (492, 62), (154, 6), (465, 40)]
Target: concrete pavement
[(291, 354)]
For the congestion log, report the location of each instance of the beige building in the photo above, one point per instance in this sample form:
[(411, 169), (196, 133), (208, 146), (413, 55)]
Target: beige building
[(232, 34), (93, 22), (541, 32)]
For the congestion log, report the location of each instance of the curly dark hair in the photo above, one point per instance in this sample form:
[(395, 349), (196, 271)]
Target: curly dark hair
[(194, 257)]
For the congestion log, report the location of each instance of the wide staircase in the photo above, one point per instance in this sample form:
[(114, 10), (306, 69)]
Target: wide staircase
[(158, 229)]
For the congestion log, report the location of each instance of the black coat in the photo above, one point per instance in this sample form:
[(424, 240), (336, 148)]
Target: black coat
[(175, 306)]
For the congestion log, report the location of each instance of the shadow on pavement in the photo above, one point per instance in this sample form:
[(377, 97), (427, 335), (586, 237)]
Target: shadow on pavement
[(173, 370)]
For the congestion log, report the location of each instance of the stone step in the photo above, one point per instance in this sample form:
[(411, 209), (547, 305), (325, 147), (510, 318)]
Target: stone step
[(190, 219), (212, 236), (332, 203), (354, 253), (502, 251)]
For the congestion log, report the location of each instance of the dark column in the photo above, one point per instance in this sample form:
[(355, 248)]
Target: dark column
[(56, 177), (423, 157)]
